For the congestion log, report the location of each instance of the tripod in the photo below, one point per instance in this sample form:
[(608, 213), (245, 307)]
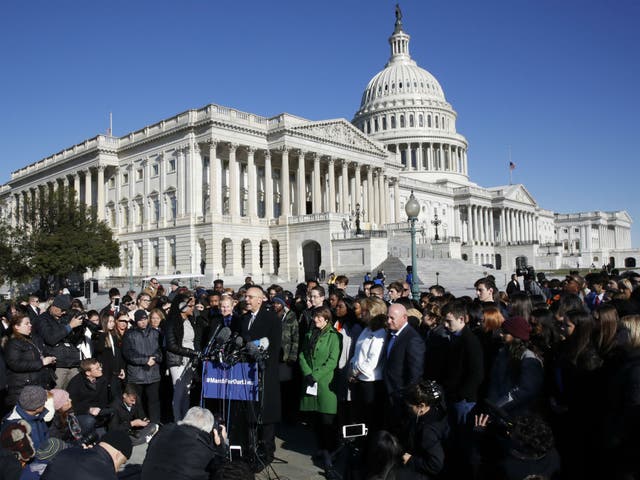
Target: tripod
[(347, 460)]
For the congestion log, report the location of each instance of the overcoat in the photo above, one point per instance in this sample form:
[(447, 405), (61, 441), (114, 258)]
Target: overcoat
[(321, 363)]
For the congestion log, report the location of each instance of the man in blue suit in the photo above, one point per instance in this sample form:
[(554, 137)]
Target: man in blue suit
[(404, 352)]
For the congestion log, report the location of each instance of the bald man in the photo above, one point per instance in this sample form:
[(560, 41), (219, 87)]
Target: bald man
[(404, 352)]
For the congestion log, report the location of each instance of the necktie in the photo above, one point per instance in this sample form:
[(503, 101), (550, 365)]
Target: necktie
[(227, 320), (253, 317), (392, 340)]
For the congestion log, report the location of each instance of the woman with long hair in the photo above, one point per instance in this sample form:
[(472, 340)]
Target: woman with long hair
[(366, 364), (349, 328), (606, 329), (489, 334), (26, 363), (318, 361), (517, 374), (108, 353), (183, 339), (121, 327), (384, 459)]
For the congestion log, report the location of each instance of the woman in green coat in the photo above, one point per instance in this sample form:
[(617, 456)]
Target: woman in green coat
[(318, 361)]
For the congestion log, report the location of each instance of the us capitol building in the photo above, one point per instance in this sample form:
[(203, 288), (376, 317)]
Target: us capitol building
[(282, 198)]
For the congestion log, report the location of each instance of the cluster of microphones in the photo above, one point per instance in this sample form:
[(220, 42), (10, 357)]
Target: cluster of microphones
[(230, 348)]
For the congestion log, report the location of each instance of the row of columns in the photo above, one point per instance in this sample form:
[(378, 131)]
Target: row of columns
[(332, 185), (433, 157), (80, 177), (514, 225)]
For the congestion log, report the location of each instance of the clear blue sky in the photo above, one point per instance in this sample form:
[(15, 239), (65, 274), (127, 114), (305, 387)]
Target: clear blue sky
[(556, 80)]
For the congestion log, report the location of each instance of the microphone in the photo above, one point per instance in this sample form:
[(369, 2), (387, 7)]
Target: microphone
[(223, 336)]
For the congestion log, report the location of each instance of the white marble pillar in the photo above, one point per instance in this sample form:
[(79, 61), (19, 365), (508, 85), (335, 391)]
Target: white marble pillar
[(285, 199), (469, 225), (180, 187), (215, 168), (88, 194), (380, 197), (386, 198), (396, 200), (252, 180), (268, 186), (357, 191), (100, 186), (370, 211), (301, 200), (344, 208), (234, 181), (331, 201), (492, 230), (76, 186), (317, 194)]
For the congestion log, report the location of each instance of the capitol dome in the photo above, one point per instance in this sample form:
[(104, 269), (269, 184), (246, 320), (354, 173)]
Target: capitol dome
[(404, 107)]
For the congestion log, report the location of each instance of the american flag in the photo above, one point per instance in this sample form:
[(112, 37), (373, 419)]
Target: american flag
[(512, 165)]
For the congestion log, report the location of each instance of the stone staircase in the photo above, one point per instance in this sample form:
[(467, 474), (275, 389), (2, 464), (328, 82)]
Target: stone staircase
[(456, 276)]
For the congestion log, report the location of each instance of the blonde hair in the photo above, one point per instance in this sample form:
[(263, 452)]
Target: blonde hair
[(632, 323)]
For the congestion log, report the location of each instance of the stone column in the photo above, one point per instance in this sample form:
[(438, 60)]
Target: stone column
[(268, 186), (285, 201), (396, 200), (234, 182), (492, 231), (317, 193), (215, 168), (419, 166), (380, 195), (100, 186), (331, 201), (301, 201), (252, 182), (469, 225), (386, 200), (87, 186), (345, 187), (358, 186), (76, 186), (370, 211)]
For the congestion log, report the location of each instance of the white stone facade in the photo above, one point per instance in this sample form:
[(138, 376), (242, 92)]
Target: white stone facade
[(278, 198)]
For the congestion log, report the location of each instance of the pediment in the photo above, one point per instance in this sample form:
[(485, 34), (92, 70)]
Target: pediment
[(516, 193), (339, 132)]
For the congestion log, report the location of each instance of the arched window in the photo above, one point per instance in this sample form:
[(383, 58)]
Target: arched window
[(437, 122), (429, 121), (368, 126), (384, 123), (420, 121), (401, 121), (393, 121), (376, 126), (411, 125)]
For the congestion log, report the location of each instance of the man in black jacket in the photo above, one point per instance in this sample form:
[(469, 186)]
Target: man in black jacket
[(90, 396), (61, 336), (262, 322)]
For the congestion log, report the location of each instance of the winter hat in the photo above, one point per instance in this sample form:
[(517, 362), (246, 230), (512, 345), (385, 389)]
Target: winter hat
[(32, 397), (279, 299), (517, 327), (140, 315), (63, 302), (16, 437), (49, 449), (120, 440), (60, 398)]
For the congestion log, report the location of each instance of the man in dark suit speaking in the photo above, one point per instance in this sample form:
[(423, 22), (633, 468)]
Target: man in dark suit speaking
[(404, 360), (261, 322)]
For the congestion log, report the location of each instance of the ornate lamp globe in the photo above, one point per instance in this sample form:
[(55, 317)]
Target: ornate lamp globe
[(412, 208)]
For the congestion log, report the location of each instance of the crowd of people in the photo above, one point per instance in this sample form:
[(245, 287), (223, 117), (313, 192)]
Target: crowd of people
[(539, 382)]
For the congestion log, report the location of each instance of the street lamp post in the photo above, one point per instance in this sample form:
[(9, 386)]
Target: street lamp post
[(357, 215), (412, 209), (436, 223)]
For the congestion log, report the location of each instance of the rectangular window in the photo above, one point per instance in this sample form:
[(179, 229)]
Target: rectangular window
[(172, 165), (139, 174), (125, 179), (155, 169), (112, 182)]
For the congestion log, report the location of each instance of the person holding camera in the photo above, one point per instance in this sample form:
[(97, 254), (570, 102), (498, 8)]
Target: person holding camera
[(427, 429), (141, 351), (61, 334), (187, 450)]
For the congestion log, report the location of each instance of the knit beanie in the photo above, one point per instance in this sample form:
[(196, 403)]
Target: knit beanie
[(32, 397), (60, 398), (517, 327)]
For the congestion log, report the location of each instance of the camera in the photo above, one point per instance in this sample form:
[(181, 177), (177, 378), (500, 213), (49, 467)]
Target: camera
[(90, 438)]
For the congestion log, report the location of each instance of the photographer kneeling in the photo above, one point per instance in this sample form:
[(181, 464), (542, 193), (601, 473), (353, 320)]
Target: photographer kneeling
[(426, 429), (189, 449)]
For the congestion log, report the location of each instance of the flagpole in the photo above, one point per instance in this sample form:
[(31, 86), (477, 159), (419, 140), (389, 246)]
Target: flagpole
[(510, 168)]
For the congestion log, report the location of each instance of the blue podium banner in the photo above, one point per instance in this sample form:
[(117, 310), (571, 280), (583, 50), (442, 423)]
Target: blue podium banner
[(237, 382)]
